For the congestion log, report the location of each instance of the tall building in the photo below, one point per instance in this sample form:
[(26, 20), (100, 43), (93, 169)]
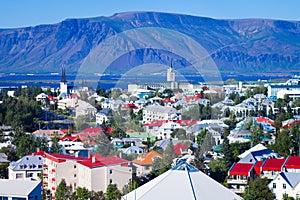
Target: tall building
[(63, 82), (171, 74)]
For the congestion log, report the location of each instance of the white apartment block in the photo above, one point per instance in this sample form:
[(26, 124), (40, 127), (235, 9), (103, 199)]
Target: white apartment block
[(27, 168), (92, 173), (158, 112)]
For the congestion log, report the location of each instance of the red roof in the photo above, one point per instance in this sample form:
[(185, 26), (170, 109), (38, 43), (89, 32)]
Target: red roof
[(265, 120), (167, 100), (242, 169), (257, 166), (288, 125), (103, 161), (92, 131), (130, 105), (74, 96), (51, 98), (67, 131), (62, 157), (293, 162), (178, 147), (273, 164), (70, 138)]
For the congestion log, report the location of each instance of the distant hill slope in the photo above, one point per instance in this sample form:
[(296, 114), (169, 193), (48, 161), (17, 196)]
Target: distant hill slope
[(237, 46)]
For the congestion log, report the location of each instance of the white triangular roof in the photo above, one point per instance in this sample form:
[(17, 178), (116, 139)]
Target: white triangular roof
[(183, 181), (257, 147)]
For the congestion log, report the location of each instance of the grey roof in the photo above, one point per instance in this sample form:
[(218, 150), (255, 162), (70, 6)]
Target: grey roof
[(31, 162), (161, 109), (3, 158), (17, 188), (183, 181), (292, 178)]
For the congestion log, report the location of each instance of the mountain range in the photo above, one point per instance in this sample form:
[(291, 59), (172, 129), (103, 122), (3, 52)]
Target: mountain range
[(237, 46)]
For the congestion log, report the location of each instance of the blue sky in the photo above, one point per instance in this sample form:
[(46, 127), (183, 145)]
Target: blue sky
[(20, 13)]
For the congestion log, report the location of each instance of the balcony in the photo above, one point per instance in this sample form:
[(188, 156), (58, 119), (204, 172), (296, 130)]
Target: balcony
[(45, 175), (45, 166), (237, 191), (53, 179), (237, 181), (53, 188), (53, 170)]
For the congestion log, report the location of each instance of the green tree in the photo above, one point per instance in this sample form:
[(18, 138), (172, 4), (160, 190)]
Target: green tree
[(228, 154), (169, 155), (256, 134), (56, 147), (112, 192), (258, 190), (295, 136), (283, 142), (63, 191), (97, 195), (82, 193)]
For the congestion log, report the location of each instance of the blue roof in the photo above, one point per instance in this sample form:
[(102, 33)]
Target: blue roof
[(291, 178)]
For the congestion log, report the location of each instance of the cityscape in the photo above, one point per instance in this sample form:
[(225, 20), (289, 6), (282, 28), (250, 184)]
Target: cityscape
[(160, 104)]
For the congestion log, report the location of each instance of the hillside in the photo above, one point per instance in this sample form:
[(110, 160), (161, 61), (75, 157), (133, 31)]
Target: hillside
[(244, 46)]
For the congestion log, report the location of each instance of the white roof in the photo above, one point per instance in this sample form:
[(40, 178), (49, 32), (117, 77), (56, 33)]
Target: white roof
[(17, 188), (257, 147), (183, 181)]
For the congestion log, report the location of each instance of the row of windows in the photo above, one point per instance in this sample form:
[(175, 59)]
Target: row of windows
[(283, 186)]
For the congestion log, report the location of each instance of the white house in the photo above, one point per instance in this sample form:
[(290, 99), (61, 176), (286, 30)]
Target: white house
[(29, 167), (102, 116), (286, 183), (158, 112), (20, 189)]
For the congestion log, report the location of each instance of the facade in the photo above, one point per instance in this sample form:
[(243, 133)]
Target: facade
[(171, 74), (286, 183), (143, 163), (239, 176), (63, 83), (20, 190), (94, 173), (158, 112), (102, 116), (49, 133), (27, 168)]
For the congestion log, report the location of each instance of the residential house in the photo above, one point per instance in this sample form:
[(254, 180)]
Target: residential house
[(20, 189), (28, 167), (286, 183), (83, 108), (71, 144), (157, 112), (239, 176), (49, 133), (144, 163), (272, 167), (292, 164), (102, 116)]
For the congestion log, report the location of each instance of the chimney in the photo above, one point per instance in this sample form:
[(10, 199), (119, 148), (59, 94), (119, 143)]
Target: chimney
[(93, 159)]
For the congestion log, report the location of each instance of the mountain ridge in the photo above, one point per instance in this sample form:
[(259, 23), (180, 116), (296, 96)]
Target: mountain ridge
[(237, 46)]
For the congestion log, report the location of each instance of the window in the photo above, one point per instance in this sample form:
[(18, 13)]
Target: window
[(110, 171), (110, 181), (74, 175), (284, 186), (74, 166), (19, 176), (274, 185)]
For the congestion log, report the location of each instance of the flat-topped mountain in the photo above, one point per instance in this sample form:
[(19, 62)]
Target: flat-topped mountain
[(239, 47)]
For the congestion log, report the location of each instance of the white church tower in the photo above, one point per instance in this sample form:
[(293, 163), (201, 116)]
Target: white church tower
[(63, 83), (171, 74)]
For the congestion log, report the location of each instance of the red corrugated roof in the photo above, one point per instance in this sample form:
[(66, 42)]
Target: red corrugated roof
[(257, 166), (273, 164), (178, 147), (265, 120), (70, 138), (293, 162), (167, 100), (103, 161), (242, 169)]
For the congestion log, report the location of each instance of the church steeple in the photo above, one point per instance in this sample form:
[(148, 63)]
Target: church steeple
[(63, 75)]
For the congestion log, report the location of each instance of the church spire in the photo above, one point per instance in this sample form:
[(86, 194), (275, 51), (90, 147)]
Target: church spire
[(63, 75)]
